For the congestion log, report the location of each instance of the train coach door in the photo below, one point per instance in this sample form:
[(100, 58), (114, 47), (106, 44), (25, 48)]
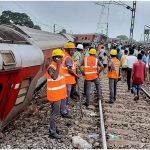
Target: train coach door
[(6, 94)]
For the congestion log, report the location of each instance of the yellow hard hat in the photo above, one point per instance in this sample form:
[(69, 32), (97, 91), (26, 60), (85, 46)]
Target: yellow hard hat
[(57, 52), (69, 45), (113, 52), (92, 51)]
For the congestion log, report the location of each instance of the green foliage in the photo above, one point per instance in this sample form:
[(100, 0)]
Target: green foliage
[(122, 37), (16, 18), (37, 27)]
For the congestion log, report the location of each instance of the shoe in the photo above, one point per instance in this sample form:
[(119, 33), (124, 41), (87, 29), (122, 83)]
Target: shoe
[(86, 104), (83, 94), (58, 131), (132, 91), (73, 96), (67, 115), (55, 135), (136, 98), (111, 102), (76, 94)]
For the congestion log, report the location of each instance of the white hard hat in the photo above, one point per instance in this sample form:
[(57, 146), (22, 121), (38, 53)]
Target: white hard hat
[(80, 46)]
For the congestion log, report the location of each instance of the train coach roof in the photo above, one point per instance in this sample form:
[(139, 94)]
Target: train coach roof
[(44, 39)]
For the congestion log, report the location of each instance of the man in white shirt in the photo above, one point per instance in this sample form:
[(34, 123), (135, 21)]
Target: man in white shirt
[(131, 59)]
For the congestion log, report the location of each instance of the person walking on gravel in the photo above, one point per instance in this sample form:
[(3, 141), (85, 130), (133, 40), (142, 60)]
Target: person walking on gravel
[(113, 74), (123, 62), (138, 76), (56, 89), (92, 68), (131, 59)]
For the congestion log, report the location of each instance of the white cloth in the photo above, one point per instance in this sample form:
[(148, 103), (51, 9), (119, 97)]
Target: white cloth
[(135, 52), (131, 60)]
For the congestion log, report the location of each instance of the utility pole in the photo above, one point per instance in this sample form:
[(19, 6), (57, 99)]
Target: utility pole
[(54, 28), (132, 21), (133, 9), (146, 34), (107, 23)]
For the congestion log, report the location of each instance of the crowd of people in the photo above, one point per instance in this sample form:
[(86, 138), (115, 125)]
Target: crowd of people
[(124, 62)]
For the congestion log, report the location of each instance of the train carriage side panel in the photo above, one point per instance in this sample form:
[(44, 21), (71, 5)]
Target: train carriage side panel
[(27, 68)]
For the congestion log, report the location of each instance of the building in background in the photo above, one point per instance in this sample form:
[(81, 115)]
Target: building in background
[(92, 39)]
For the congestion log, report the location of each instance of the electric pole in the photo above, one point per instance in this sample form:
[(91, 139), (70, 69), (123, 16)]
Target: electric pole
[(132, 21), (54, 28)]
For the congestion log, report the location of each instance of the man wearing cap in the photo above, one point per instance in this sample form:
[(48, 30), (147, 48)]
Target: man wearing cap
[(69, 69), (92, 69), (56, 89), (78, 57), (113, 74)]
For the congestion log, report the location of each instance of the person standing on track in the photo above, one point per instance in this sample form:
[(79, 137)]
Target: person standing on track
[(131, 59), (124, 65), (92, 69), (69, 68), (56, 89), (78, 57), (113, 74), (138, 76), (105, 62)]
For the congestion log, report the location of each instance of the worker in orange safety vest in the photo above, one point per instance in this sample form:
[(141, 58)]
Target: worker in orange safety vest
[(113, 74), (69, 68), (56, 89), (92, 69)]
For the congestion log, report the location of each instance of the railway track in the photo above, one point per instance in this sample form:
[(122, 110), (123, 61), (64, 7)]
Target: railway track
[(30, 129), (127, 123)]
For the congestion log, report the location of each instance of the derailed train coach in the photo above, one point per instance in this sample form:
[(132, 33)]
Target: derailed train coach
[(24, 56)]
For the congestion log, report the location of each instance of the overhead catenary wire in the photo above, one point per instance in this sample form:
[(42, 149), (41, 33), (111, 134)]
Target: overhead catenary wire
[(35, 18)]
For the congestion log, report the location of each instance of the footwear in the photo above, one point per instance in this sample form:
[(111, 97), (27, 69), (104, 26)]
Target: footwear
[(58, 131), (132, 91), (67, 115), (83, 94), (136, 98), (86, 104), (76, 94), (111, 102), (55, 135)]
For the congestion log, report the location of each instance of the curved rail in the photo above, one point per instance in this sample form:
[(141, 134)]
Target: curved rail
[(103, 133)]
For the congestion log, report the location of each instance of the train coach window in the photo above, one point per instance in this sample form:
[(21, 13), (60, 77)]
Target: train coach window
[(8, 57), (23, 91)]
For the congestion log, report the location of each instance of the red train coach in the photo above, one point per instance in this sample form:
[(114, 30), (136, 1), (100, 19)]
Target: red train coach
[(24, 55)]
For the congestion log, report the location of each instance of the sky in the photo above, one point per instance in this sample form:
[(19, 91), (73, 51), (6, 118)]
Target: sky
[(83, 16)]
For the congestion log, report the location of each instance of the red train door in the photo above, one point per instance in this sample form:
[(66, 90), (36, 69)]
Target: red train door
[(5, 92)]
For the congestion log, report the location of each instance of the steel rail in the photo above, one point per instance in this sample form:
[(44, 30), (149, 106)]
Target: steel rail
[(145, 92), (103, 132)]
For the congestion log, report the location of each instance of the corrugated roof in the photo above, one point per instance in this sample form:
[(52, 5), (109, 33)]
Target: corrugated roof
[(44, 39)]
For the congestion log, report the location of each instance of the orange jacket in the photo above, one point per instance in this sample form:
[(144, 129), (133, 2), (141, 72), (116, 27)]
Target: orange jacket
[(114, 72), (70, 79), (90, 68), (56, 89)]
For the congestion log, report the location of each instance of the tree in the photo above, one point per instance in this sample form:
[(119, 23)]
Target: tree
[(122, 37), (16, 18), (37, 27)]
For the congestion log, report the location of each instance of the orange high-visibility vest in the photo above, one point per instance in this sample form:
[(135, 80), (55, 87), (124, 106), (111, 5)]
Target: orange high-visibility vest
[(114, 73), (70, 79), (56, 89), (90, 68)]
